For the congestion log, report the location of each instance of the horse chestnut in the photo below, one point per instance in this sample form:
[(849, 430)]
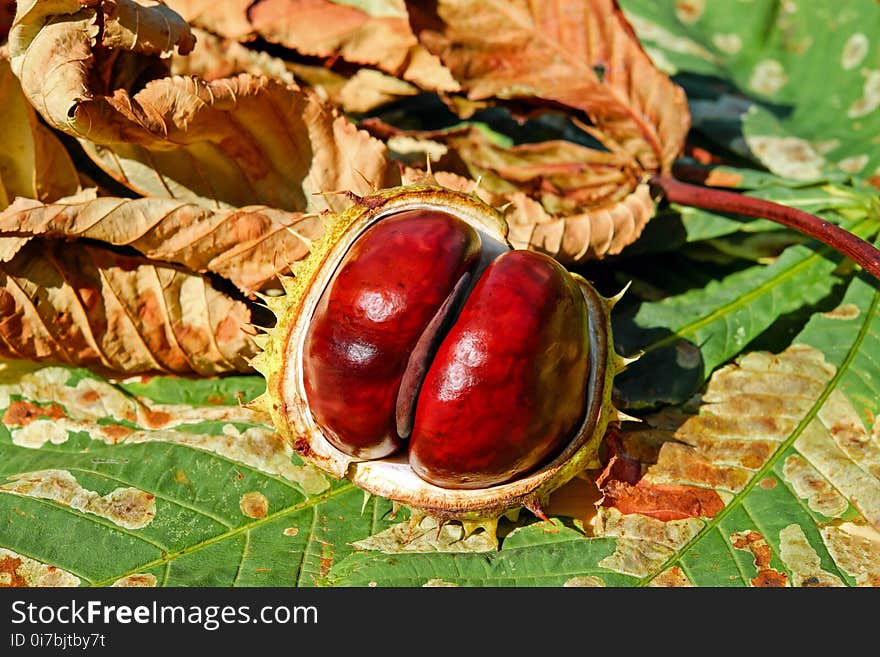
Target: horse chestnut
[(421, 357), (369, 321), (507, 385)]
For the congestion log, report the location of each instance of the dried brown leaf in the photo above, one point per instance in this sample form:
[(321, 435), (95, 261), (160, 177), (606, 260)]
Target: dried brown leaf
[(564, 176), (373, 34), (33, 162), (229, 142), (603, 230), (249, 246), (217, 57), (146, 26), (86, 305), (228, 18), (581, 55)]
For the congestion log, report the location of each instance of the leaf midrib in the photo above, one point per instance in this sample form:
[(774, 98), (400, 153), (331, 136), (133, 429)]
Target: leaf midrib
[(760, 290), (170, 557)]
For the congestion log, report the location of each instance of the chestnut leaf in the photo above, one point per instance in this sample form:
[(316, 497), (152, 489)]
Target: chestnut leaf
[(248, 246), (376, 34), (84, 304), (232, 504), (229, 142), (775, 105), (579, 55)]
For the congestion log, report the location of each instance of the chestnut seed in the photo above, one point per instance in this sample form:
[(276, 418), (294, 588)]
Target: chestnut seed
[(387, 290), (507, 388)]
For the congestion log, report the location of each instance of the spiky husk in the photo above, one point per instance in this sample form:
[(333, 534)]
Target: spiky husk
[(285, 400)]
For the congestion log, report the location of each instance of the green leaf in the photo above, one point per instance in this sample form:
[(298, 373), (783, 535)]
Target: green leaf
[(813, 506), (205, 494), (783, 56), (536, 555), (683, 338)]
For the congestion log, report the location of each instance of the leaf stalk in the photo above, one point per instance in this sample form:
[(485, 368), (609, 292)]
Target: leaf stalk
[(858, 250)]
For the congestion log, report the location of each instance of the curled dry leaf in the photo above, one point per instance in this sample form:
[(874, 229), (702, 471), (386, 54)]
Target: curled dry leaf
[(377, 34), (229, 142), (33, 162), (582, 236), (93, 307), (595, 233), (589, 203), (248, 246)]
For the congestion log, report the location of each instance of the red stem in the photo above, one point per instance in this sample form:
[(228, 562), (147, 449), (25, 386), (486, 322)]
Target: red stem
[(834, 236)]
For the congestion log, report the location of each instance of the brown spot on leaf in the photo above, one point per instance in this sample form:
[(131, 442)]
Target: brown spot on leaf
[(585, 581), (671, 577), (689, 11), (870, 99), (17, 570), (681, 463), (802, 560), (156, 419), (664, 501), (291, 531), (791, 157), (720, 178), (254, 505), (136, 580), (755, 543), (131, 508), (115, 432), (643, 543), (21, 413), (768, 483), (89, 397), (326, 563), (855, 549), (854, 50), (770, 579), (9, 576), (843, 311)]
